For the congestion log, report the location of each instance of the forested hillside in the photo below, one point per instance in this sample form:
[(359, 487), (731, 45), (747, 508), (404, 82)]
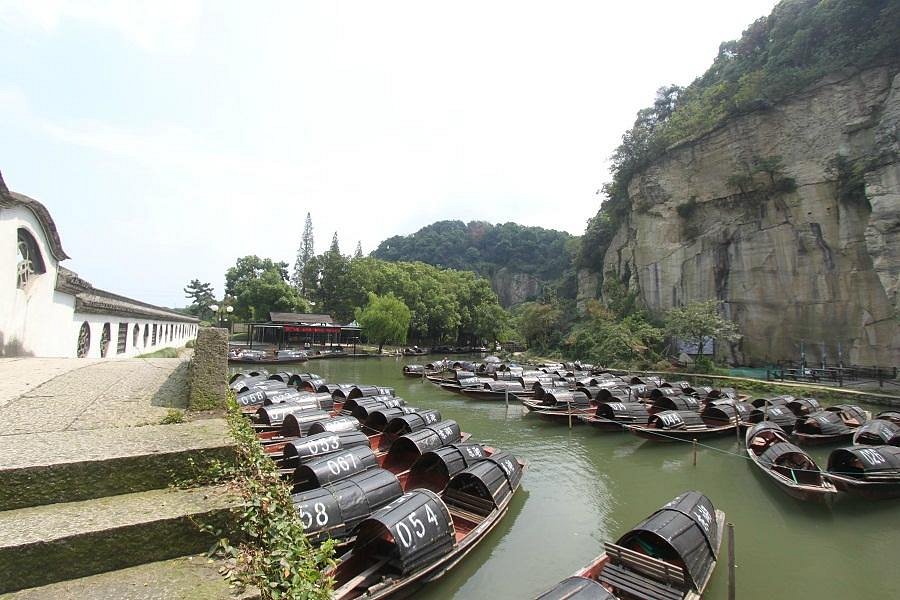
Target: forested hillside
[(523, 263)]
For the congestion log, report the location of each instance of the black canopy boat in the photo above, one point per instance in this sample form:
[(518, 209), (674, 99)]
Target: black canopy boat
[(792, 469), (804, 407), (833, 425), (670, 555), (884, 429), (420, 536), (559, 405), (777, 414), (869, 471), (291, 357), (494, 390), (687, 425), (414, 371), (677, 402), (247, 374), (617, 416)]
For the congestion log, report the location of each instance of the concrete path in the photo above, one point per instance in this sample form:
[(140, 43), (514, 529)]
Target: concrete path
[(66, 394)]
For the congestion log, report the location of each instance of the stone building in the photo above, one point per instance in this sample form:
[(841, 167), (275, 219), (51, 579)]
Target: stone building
[(48, 310)]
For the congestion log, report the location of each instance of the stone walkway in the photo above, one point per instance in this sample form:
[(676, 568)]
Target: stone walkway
[(66, 394)]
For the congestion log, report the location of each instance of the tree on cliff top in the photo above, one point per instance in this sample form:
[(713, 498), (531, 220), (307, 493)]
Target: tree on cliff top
[(701, 321), (384, 319), (800, 42)]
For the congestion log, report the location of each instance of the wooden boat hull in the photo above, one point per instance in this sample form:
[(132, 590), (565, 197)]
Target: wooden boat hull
[(562, 416), (823, 494), (267, 361), (871, 490), (603, 424), (811, 439), (680, 435), (486, 395)]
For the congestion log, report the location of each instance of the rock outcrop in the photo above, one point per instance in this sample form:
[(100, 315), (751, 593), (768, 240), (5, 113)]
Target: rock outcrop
[(792, 255)]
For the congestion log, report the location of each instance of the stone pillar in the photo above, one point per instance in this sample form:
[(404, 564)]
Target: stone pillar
[(209, 369)]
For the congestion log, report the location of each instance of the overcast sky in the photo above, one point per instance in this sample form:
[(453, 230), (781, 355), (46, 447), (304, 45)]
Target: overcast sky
[(169, 138)]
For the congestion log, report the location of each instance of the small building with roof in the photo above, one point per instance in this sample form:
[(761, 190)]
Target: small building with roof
[(303, 330), (47, 310)]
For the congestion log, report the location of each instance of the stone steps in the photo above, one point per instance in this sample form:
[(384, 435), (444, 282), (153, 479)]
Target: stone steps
[(65, 466), (40, 545), (183, 578)]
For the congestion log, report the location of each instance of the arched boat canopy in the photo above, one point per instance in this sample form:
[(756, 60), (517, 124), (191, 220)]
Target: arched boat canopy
[(715, 393), (676, 419), (822, 423), (274, 414), (313, 385), (338, 391), (321, 444), (361, 407), (417, 369), (659, 392), (360, 391), (298, 423), (434, 469), (251, 398), (403, 424), (407, 449), (336, 510), (725, 412), (685, 531), (564, 398), (494, 479), (849, 413), (282, 376), (378, 419), (676, 403), (577, 588), (804, 406), (763, 427), (889, 415), (877, 432), (502, 386), (779, 452), (860, 462), (779, 415), (774, 401), (463, 374), (335, 425), (333, 467), (297, 379), (413, 531), (625, 412)]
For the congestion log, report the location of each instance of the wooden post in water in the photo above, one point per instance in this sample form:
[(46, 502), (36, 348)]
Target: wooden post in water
[(695, 452), (569, 410), (737, 424), (731, 565), (506, 395)]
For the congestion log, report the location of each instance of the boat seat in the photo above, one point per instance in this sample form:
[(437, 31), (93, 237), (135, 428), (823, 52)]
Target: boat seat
[(660, 570), (637, 585)]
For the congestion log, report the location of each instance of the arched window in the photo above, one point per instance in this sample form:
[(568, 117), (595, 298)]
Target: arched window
[(153, 337), (146, 333), (29, 261), (135, 335), (104, 340), (84, 340)]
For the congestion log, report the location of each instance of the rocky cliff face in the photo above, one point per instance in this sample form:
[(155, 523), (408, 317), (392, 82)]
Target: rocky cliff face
[(792, 256), (513, 287)]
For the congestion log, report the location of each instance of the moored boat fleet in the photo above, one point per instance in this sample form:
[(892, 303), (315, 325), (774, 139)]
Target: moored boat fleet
[(774, 429), (404, 493)]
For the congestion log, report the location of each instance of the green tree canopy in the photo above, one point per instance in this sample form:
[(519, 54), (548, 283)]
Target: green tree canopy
[(260, 286), (384, 319), (202, 297), (700, 321)]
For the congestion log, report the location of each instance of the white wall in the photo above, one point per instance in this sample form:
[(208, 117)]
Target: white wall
[(40, 321), (35, 317), (96, 322)]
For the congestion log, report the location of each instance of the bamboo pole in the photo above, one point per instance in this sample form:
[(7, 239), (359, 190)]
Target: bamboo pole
[(731, 564), (695, 452)]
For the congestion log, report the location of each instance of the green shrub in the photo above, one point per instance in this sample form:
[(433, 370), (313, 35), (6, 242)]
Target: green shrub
[(173, 416), (849, 179)]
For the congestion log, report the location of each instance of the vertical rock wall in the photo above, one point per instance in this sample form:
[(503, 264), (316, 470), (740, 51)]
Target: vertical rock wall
[(792, 263)]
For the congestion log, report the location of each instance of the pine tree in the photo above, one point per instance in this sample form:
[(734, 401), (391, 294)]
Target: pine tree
[(304, 253), (358, 253), (335, 247), (201, 295)]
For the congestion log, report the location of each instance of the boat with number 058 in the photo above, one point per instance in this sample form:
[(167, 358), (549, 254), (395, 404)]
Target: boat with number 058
[(670, 555)]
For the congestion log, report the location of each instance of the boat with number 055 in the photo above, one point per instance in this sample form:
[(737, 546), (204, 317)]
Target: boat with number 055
[(670, 555), (420, 536)]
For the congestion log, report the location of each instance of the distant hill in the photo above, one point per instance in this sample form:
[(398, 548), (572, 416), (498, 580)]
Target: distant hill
[(523, 263)]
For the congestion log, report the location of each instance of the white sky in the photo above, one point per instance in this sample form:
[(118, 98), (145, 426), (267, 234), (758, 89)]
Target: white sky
[(167, 138)]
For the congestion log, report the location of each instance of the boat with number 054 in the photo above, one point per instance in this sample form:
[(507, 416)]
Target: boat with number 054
[(792, 469), (420, 536), (670, 555)]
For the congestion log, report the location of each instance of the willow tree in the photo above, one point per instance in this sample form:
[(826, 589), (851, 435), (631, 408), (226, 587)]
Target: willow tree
[(384, 319)]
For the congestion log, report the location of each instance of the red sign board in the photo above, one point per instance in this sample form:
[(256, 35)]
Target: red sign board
[(307, 329)]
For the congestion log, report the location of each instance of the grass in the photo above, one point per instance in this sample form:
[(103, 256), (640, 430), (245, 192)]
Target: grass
[(161, 353), (173, 416)]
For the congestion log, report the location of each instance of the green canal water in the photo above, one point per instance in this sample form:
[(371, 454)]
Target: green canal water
[(583, 487)]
